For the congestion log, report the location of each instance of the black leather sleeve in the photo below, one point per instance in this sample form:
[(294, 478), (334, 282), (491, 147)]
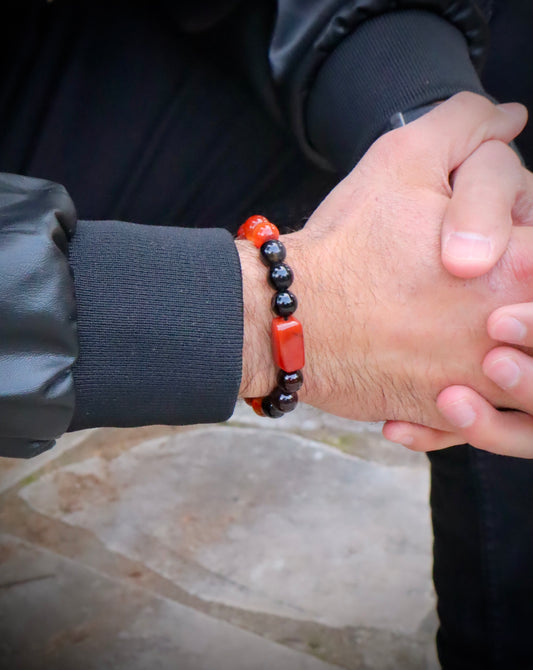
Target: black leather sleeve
[(155, 311), (309, 33), (412, 59), (38, 337)]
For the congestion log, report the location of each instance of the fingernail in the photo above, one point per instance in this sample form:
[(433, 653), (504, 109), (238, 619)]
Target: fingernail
[(504, 372), (509, 329), (468, 246), (400, 437), (460, 414)]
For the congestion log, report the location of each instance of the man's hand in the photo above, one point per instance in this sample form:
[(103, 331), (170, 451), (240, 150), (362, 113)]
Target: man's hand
[(386, 326), (492, 192)]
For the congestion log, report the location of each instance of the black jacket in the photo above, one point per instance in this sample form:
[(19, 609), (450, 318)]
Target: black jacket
[(335, 71)]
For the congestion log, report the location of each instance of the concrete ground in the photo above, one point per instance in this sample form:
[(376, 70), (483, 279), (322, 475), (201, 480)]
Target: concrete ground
[(300, 544)]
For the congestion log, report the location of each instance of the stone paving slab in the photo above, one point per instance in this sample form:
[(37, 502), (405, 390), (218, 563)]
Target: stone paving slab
[(57, 614), (14, 470), (356, 438), (285, 526), (313, 533)]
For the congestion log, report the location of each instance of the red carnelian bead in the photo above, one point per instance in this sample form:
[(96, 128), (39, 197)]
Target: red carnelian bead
[(250, 223), (257, 405), (288, 343), (262, 233)]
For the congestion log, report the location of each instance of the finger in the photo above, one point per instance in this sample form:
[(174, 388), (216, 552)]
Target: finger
[(512, 324), (455, 128), (478, 221), (512, 371), (416, 437), (508, 433)]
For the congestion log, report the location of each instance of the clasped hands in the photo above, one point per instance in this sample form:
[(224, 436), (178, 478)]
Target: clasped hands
[(407, 274), (492, 192)]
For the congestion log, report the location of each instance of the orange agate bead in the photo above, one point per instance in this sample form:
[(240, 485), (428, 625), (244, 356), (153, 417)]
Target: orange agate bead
[(288, 343), (256, 405), (263, 233), (250, 223)]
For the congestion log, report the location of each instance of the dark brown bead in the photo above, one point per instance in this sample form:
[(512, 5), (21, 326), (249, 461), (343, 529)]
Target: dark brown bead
[(284, 303), (290, 382), (280, 277), (269, 409), (273, 252), (285, 402)]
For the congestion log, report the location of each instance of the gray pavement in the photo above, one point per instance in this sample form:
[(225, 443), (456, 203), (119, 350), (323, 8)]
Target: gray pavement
[(299, 544)]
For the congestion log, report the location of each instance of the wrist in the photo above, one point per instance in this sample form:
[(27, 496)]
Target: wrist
[(259, 371), (335, 377)]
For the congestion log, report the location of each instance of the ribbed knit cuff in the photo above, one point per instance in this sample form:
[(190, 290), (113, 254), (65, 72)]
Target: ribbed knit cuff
[(160, 324), (392, 63)]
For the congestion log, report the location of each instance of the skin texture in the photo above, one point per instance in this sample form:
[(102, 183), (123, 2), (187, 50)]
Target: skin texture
[(387, 326), (475, 420)]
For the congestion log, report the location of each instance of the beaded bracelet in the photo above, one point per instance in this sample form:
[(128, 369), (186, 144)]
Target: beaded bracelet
[(287, 333)]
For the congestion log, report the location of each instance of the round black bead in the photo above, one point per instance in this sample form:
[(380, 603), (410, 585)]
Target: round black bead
[(290, 382), (285, 402), (280, 277), (272, 252), (269, 409), (284, 303)]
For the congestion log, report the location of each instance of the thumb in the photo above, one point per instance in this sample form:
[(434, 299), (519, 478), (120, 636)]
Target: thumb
[(479, 217)]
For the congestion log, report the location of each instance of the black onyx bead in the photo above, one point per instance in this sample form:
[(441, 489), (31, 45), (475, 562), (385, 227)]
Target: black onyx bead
[(272, 252), (285, 402), (284, 303), (290, 382), (280, 277), (269, 409)]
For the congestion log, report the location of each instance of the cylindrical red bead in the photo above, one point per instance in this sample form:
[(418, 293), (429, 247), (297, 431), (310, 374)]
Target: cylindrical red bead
[(288, 343)]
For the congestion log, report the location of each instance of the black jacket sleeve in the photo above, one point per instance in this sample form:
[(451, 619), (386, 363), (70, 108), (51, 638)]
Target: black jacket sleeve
[(155, 314), (38, 339), (160, 324), (336, 70), (344, 68), (412, 59)]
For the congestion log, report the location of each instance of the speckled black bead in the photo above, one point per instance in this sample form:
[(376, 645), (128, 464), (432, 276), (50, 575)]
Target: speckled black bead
[(290, 382), (284, 303), (285, 402), (280, 277), (272, 252), (269, 409)]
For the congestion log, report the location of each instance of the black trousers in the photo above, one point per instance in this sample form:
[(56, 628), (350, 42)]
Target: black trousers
[(144, 126)]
